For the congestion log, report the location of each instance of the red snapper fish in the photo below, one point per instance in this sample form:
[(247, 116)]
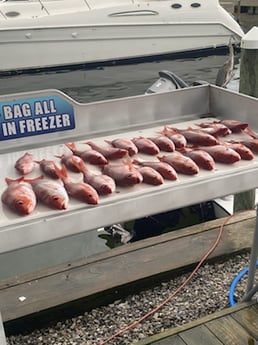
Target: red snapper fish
[(164, 143), (244, 147), (180, 163), (25, 164), (19, 196), (202, 158), (90, 156), (103, 184), (48, 168), (178, 139), (151, 176), (146, 145), (251, 143), (124, 174), (71, 162), (222, 154), (108, 152), (216, 129), (79, 190), (244, 151), (50, 192), (125, 144), (234, 125), (196, 136), (165, 169)]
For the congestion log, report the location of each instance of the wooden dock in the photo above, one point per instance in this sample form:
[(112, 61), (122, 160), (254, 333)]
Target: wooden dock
[(235, 326), (74, 283)]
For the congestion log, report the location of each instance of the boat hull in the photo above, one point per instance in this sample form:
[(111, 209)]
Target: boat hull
[(48, 43)]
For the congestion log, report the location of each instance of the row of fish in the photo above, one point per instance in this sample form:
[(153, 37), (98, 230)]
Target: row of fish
[(186, 152)]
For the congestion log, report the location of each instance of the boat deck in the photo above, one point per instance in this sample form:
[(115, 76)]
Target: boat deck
[(236, 326)]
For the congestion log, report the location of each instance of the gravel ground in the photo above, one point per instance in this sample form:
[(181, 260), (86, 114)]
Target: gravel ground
[(206, 293)]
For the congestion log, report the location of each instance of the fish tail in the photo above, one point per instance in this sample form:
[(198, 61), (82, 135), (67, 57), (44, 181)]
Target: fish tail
[(165, 130), (173, 129), (160, 158), (70, 146), (59, 156), (9, 180), (31, 180), (168, 130), (182, 149), (136, 161), (127, 161)]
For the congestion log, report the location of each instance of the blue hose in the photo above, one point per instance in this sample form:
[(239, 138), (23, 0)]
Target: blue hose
[(234, 284)]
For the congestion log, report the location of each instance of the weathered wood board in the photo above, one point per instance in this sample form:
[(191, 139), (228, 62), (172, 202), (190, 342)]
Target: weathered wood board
[(126, 264), (236, 325)]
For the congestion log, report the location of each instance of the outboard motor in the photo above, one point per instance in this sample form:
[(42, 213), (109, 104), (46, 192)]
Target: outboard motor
[(168, 81)]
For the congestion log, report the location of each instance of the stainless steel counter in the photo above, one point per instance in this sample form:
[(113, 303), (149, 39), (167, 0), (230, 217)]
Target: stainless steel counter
[(128, 117)]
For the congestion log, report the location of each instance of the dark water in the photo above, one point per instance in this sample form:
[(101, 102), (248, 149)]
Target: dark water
[(88, 86), (113, 82)]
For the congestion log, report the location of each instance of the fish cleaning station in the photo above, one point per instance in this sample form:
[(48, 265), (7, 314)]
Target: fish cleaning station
[(41, 123)]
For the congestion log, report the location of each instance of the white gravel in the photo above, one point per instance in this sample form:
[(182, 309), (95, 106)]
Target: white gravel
[(206, 293)]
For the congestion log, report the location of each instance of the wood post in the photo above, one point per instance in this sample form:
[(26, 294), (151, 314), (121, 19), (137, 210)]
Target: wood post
[(249, 86), (2, 334)]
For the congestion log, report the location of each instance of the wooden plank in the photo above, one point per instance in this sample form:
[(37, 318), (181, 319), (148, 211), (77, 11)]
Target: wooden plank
[(175, 340), (200, 335), (180, 329), (229, 331), (39, 291), (248, 318), (241, 239)]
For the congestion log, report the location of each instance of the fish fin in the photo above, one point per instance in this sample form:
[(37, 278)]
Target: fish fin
[(61, 172), (80, 165)]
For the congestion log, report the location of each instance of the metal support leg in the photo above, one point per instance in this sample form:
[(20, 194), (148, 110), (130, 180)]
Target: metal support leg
[(252, 267), (2, 334)]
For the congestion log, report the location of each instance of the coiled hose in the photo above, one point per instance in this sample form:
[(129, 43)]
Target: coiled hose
[(234, 283)]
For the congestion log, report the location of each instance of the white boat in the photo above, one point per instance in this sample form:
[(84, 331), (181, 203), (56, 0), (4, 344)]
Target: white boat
[(42, 34)]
